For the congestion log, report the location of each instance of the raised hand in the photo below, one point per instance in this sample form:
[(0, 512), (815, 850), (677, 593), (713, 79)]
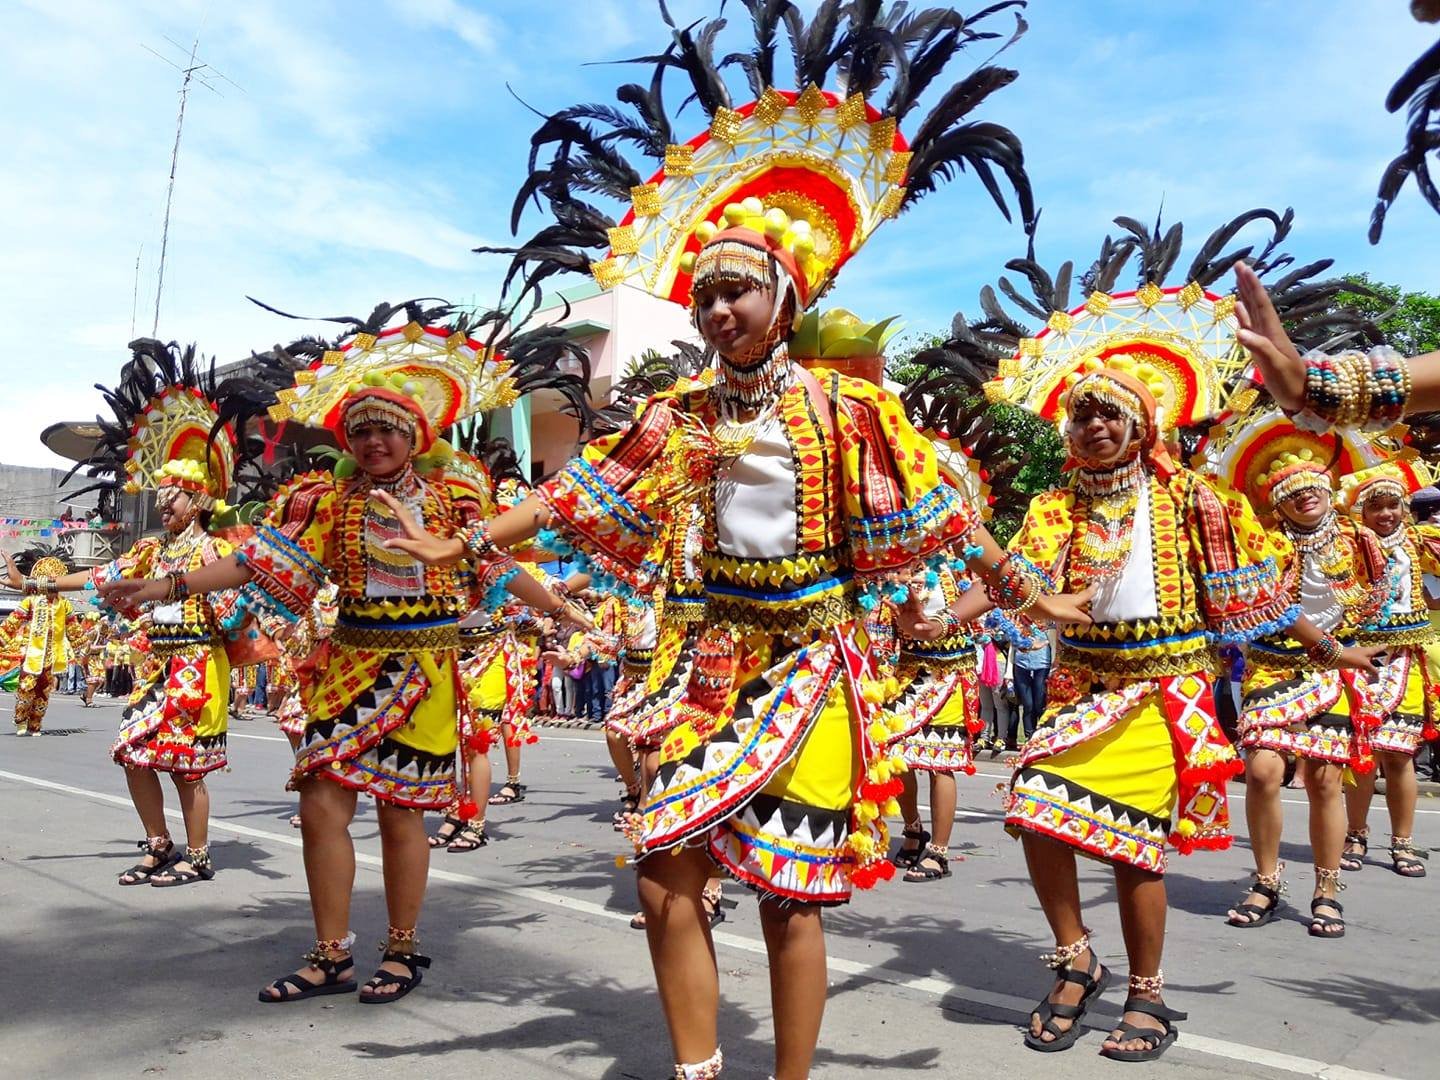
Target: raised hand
[(14, 580), (911, 620), (417, 543), (1065, 608), (1262, 332)]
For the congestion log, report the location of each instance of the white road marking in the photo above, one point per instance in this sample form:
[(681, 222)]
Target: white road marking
[(262, 738), (937, 988)]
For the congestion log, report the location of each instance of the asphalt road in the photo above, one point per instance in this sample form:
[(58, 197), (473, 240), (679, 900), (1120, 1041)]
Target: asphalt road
[(537, 973)]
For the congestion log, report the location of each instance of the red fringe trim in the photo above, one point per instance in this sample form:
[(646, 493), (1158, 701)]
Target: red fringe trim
[(1187, 844), (867, 876)]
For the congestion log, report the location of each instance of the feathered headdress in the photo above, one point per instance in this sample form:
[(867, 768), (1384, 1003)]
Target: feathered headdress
[(1184, 334), (808, 173), (166, 431), (425, 374), (1266, 457)]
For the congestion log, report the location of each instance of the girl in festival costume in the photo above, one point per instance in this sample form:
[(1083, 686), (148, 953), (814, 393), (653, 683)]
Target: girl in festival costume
[(1404, 697), (931, 707), (811, 491), (1294, 703), (165, 435), (39, 631), (381, 713)]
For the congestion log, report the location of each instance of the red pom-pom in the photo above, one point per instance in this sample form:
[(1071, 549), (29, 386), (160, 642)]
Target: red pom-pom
[(467, 809)]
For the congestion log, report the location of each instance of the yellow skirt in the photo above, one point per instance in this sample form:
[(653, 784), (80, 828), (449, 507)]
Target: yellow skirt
[(1111, 796), (1294, 712)]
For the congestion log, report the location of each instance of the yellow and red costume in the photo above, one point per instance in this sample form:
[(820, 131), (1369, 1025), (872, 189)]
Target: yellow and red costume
[(41, 633), (1130, 751), (1336, 574), (1405, 694)]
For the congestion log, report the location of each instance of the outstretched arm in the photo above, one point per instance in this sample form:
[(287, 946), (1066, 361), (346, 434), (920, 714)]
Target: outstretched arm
[(226, 573), (521, 522), (1279, 361), (1310, 635), (1050, 607)]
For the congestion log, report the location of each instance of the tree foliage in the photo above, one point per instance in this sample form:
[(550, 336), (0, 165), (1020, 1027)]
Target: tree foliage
[(1409, 320)]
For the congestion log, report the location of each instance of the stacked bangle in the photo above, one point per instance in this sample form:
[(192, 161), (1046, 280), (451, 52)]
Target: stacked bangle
[(1326, 652), (1358, 390), (1018, 586), (178, 589), (478, 542)]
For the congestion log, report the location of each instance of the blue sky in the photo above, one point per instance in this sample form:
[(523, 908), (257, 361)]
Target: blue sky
[(374, 143)]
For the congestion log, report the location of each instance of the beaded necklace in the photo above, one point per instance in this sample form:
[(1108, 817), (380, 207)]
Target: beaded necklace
[(388, 572), (1324, 548), (1102, 546)]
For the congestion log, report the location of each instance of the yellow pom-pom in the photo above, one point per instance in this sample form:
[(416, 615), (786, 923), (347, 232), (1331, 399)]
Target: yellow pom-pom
[(1186, 827), (374, 378), (687, 263), (804, 245), (705, 231), (800, 228), (752, 206), (734, 213), (892, 808), (877, 732)]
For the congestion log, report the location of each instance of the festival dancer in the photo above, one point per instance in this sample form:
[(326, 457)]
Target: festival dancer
[(932, 710), (302, 654), (1295, 704), (810, 493), (1404, 695), (382, 712), (166, 435), (1130, 751), (39, 632)]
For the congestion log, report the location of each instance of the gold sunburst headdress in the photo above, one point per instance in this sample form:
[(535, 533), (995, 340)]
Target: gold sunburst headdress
[(1399, 478), (1263, 455), (806, 175)]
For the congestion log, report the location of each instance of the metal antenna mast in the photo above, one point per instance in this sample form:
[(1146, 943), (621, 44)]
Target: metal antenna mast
[(201, 74)]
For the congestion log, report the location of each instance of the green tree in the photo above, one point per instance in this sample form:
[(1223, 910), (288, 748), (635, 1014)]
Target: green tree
[(1411, 320)]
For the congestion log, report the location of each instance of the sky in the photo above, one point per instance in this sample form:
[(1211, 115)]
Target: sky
[(358, 149)]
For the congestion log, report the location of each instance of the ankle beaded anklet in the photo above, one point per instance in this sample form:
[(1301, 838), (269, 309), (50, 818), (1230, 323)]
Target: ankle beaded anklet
[(1064, 955)]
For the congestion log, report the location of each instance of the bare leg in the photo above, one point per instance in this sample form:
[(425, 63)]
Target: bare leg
[(1264, 774), (623, 758), (681, 949), (909, 800), (1057, 887), (149, 800), (1357, 811), (942, 807), (1327, 824), (326, 810), (795, 941), (1401, 791), (1142, 921), (195, 806), (406, 858), (294, 741)]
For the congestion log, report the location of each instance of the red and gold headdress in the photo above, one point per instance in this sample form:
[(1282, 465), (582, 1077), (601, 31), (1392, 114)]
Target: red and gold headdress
[(1266, 457), (805, 175), (1399, 478)]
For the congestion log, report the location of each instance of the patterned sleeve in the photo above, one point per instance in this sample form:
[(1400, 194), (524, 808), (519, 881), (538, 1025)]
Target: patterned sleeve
[(1241, 565), (135, 563), (288, 554), (900, 509), (610, 504), (13, 624), (1044, 536), (1427, 547)]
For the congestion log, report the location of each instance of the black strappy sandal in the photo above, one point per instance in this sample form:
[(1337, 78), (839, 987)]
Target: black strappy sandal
[(1094, 980), (304, 988), (201, 869), (1263, 914), (405, 983), (517, 794), (1156, 1042), (470, 838), (441, 837), (1404, 859), (1352, 861), (918, 871), (1323, 926), (140, 874), (903, 857)]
